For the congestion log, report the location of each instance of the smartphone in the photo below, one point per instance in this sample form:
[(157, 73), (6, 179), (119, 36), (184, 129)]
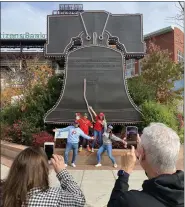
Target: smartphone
[(49, 149), (131, 135)]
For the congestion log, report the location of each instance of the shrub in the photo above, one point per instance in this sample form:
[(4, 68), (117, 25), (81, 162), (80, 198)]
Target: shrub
[(35, 104), (7, 94), (139, 91), (41, 100), (5, 128), (54, 89), (181, 120), (10, 114), (155, 112), (181, 135), (21, 132), (41, 137)]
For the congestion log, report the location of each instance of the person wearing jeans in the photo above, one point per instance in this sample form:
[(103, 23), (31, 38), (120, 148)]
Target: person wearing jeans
[(108, 136), (84, 124), (98, 127), (69, 147), (107, 148), (98, 136), (72, 141)]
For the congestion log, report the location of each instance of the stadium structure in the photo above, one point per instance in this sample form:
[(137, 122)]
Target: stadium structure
[(18, 50)]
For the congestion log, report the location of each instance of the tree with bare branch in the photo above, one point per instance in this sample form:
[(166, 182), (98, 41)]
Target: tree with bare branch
[(178, 20), (21, 80)]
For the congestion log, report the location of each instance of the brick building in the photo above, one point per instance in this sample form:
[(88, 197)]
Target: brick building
[(169, 38)]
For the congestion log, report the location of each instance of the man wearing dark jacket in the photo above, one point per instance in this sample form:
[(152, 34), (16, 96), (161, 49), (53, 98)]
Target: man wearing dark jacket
[(157, 151)]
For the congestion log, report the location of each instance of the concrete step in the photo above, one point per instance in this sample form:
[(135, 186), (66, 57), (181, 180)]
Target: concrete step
[(7, 161)]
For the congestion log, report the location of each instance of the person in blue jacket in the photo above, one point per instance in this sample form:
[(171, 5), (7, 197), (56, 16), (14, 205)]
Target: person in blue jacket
[(72, 141)]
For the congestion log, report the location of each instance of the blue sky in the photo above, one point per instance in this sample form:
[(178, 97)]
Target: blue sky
[(21, 17)]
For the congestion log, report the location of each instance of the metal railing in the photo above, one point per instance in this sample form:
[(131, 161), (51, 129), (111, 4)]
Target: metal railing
[(16, 63)]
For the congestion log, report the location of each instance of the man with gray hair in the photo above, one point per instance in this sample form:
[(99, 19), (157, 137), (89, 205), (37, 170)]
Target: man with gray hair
[(157, 151)]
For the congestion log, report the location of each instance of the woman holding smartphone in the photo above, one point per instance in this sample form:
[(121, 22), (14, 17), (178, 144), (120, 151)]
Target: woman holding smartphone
[(108, 136), (27, 183)]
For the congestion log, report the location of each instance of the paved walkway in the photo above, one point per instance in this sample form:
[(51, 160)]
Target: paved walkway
[(96, 184)]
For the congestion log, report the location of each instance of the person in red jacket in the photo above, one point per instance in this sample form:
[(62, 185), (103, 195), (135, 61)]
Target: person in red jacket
[(84, 124), (98, 127), (78, 116)]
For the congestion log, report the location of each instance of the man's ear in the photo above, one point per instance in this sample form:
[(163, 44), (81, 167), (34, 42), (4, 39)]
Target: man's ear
[(142, 153)]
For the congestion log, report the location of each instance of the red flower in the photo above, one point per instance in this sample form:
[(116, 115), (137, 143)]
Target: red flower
[(41, 137)]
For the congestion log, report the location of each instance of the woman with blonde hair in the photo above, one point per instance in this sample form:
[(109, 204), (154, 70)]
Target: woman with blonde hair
[(27, 184)]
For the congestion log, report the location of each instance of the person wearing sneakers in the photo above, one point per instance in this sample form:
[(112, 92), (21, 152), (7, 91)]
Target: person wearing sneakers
[(84, 124), (108, 136), (98, 127), (72, 141)]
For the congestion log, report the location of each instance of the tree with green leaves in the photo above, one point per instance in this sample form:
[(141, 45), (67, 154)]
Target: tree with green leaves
[(140, 91), (161, 73)]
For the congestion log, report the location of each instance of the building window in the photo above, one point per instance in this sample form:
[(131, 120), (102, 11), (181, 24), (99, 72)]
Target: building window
[(130, 68), (180, 56)]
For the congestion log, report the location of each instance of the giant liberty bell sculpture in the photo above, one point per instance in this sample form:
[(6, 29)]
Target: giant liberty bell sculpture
[(94, 70)]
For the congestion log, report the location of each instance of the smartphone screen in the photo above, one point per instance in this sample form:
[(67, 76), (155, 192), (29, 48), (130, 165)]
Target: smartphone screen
[(132, 132), (49, 149)]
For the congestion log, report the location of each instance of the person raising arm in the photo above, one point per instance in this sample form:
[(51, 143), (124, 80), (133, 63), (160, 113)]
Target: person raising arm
[(108, 136), (157, 152), (27, 183), (98, 127), (85, 124), (72, 141)]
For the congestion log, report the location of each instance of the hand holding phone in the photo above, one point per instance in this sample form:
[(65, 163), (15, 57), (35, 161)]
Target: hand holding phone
[(49, 149), (132, 136), (128, 160), (58, 163)]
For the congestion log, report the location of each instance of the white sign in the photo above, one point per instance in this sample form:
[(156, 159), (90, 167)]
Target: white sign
[(61, 135), (26, 35)]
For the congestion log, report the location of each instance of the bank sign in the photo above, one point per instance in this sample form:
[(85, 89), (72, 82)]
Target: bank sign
[(25, 35)]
